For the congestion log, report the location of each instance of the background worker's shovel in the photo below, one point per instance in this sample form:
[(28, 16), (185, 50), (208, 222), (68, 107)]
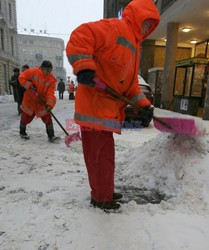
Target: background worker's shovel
[(69, 137)]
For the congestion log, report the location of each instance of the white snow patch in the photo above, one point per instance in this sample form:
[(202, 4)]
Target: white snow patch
[(6, 98), (44, 190)]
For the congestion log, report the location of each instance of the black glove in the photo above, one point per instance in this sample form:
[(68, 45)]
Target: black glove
[(148, 113), (48, 108), (86, 77), (33, 87)]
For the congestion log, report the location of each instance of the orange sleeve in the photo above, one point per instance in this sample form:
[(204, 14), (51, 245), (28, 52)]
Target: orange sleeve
[(25, 78), (138, 96), (84, 42), (50, 97)]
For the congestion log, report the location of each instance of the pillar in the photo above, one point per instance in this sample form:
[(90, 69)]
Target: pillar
[(147, 57), (169, 65)]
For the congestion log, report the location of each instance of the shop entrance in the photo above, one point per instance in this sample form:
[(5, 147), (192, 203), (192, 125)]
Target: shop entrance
[(190, 85)]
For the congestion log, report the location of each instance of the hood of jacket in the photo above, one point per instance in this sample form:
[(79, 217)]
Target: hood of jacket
[(138, 11)]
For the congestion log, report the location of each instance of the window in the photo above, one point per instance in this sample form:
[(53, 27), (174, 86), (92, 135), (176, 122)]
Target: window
[(198, 80), (0, 4), (188, 81), (31, 62), (180, 81), (5, 78), (12, 45), (2, 39), (10, 12)]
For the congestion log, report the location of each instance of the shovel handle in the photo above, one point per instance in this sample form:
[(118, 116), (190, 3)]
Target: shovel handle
[(165, 124), (112, 92), (43, 102), (58, 123)]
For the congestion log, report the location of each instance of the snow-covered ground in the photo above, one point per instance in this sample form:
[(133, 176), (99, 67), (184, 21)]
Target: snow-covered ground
[(6, 98), (44, 191)]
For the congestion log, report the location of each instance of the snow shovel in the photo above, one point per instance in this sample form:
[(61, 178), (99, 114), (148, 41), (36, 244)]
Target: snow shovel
[(69, 137), (113, 93), (179, 126), (173, 125), (164, 124)]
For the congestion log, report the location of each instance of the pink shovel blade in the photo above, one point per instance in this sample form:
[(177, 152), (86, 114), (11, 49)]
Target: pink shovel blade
[(72, 137), (179, 126)]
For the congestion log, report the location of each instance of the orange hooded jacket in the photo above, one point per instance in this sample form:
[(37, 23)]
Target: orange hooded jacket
[(110, 47), (45, 87), (71, 88)]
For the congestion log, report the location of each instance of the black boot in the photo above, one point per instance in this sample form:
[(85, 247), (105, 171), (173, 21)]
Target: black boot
[(108, 206), (50, 133), (23, 133), (117, 196), (19, 109)]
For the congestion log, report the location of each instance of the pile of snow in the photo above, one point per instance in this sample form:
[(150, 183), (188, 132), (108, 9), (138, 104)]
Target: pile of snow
[(6, 98), (171, 164)]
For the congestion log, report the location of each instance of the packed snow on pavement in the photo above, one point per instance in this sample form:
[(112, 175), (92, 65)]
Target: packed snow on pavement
[(44, 190), (6, 98)]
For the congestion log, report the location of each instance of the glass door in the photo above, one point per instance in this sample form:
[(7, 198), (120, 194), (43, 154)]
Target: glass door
[(179, 81), (188, 81), (197, 86)]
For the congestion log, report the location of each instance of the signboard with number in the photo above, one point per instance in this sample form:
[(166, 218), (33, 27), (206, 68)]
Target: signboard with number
[(184, 104)]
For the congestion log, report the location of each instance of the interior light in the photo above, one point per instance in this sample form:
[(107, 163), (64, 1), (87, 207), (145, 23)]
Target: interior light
[(193, 41), (165, 39), (186, 29)]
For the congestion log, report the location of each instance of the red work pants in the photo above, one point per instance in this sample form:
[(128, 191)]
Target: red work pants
[(99, 156), (26, 119)]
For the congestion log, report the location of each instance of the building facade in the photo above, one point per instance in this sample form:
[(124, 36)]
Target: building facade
[(113, 8), (34, 49), (8, 43)]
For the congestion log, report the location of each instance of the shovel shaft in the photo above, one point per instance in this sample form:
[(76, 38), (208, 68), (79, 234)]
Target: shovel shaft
[(43, 102), (162, 122), (58, 123), (112, 92)]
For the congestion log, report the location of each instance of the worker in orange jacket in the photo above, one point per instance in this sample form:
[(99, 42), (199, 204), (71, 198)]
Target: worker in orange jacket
[(107, 53), (39, 98), (71, 89)]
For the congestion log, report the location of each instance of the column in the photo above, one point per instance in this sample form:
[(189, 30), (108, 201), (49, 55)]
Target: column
[(147, 57), (169, 65)]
